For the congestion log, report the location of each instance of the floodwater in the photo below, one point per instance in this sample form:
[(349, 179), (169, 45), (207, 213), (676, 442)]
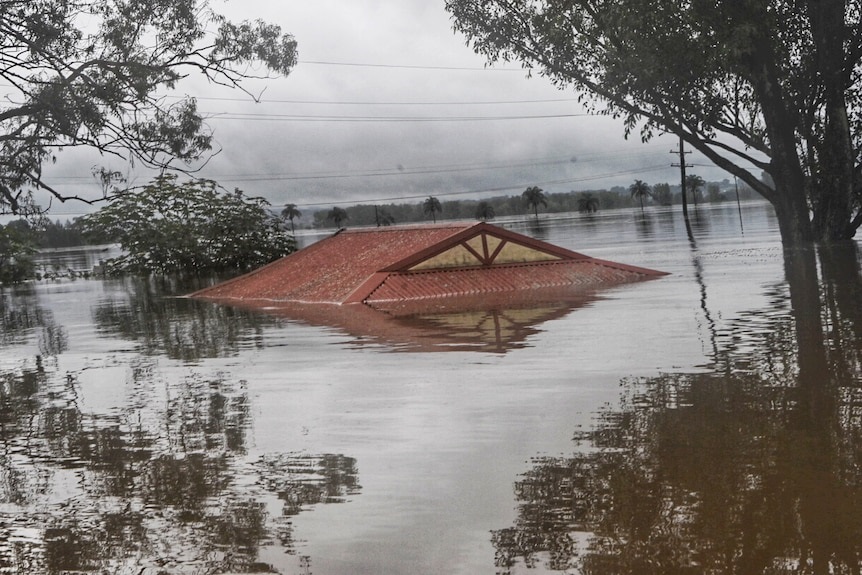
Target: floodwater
[(709, 421)]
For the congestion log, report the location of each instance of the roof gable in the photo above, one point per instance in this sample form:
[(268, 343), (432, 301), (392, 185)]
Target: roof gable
[(482, 245), (330, 270)]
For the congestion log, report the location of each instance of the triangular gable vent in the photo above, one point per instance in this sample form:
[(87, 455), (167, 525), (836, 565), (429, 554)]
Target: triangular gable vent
[(480, 246)]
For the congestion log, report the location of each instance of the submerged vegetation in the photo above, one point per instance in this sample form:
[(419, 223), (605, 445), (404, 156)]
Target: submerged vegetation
[(169, 227), (525, 203)]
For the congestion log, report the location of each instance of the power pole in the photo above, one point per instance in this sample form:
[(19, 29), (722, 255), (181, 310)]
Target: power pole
[(682, 166), (738, 206)]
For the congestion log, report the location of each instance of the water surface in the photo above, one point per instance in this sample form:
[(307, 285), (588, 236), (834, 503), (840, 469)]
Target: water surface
[(708, 421)]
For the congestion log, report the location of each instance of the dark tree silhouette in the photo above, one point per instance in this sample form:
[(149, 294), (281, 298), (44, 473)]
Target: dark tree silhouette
[(639, 190), (534, 197), (484, 211), (92, 74), (588, 203), (432, 206), (290, 212), (337, 216)]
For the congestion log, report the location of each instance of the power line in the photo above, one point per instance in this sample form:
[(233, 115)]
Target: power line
[(391, 172), (375, 103), (390, 119), (496, 189), (398, 171), (409, 66)]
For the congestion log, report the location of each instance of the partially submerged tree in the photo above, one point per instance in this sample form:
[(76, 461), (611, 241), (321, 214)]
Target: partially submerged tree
[(17, 247), (534, 197), (432, 206), (485, 211), (337, 216), (661, 194), (95, 74), (755, 86), (639, 190), (588, 203), (291, 212), (694, 183), (168, 227)]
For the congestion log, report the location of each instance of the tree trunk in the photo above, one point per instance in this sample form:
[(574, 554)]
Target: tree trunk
[(832, 197), (788, 198)]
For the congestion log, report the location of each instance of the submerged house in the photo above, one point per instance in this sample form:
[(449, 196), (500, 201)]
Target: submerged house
[(409, 270)]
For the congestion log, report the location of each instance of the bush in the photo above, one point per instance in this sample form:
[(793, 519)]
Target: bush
[(16, 254), (191, 227)]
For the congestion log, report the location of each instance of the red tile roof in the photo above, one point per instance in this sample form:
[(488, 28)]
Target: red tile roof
[(331, 269), (388, 267)]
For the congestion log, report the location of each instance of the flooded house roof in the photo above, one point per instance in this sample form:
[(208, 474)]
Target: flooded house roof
[(410, 269)]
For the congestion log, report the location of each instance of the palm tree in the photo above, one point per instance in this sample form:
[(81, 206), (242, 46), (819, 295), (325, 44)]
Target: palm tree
[(383, 217), (484, 211), (289, 213), (694, 182), (588, 203), (337, 215), (432, 206), (533, 196), (639, 189)]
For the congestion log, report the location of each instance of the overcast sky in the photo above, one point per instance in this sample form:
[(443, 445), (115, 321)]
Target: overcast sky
[(387, 103)]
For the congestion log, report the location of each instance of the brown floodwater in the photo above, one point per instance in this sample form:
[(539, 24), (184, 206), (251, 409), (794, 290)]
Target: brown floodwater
[(706, 422)]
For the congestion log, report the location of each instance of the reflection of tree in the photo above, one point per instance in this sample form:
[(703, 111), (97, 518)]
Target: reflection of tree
[(146, 311), (753, 468), (300, 481), (20, 317), (159, 486)]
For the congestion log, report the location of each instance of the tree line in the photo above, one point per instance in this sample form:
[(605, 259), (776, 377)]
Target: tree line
[(172, 227), (433, 209)]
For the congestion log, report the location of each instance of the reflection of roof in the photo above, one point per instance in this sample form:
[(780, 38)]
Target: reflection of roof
[(395, 268), (472, 326)]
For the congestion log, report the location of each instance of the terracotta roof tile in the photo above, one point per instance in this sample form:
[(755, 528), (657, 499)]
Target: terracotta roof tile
[(331, 269), (374, 266)]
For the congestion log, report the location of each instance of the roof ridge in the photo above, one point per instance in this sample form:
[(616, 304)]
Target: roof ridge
[(410, 226)]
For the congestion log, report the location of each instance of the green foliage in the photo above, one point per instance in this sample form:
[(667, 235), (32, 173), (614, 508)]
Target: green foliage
[(384, 218), (432, 206), (337, 216), (662, 194), (290, 212), (58, 234), (17, 247), (513, 206), (588, 203), (693, 184), (192, 227), (768, 85), (485, 211), (713, 193), (534, 197), (89, 73), (640, 190)]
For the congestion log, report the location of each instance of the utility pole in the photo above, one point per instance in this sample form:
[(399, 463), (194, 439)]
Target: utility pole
[(738, 206), (682, 166)]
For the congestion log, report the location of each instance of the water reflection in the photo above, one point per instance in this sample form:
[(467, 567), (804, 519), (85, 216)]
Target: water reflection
[(21, 315), (161, 484), (753, 466), (644, 226), (147, 310), (453, 324)]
